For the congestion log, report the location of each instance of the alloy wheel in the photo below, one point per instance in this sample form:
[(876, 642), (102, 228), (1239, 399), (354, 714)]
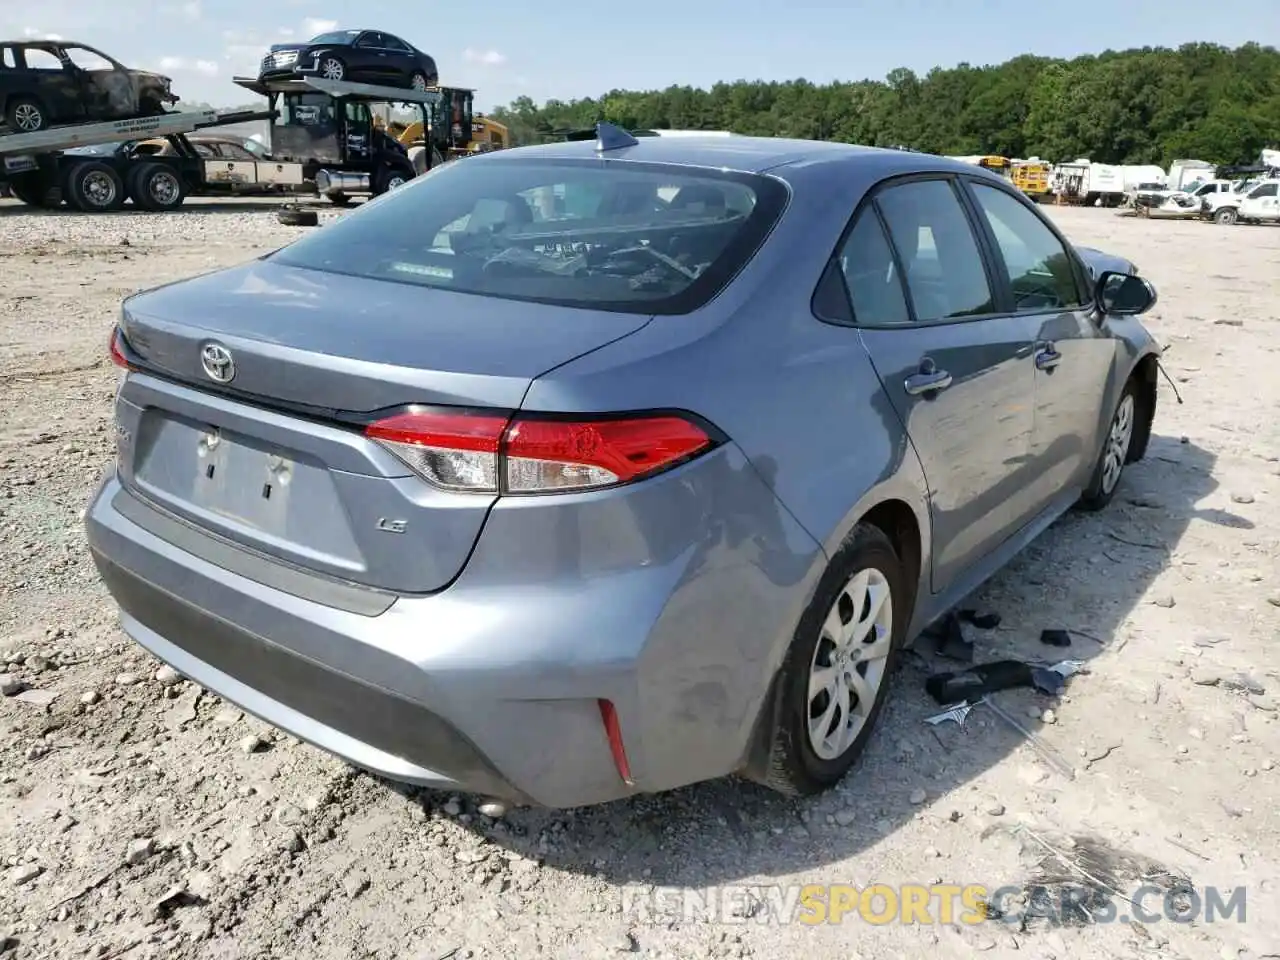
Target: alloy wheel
[(849, 661), (27, 117), (1118, 439)]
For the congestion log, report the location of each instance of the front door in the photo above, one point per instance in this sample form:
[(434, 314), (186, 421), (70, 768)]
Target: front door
[(1073, 355), (1262, 203), (958, 374)]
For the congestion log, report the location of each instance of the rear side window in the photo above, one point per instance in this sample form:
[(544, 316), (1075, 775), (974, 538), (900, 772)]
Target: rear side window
[(38, 59), (627, 237), (944, 268), (1034, 259), (871, 276), (7, 59)]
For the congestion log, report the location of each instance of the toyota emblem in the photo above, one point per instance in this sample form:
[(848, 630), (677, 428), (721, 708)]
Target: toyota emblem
[(218, 363)]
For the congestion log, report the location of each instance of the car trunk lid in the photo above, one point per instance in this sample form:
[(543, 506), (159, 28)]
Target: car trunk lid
[(274, 459)]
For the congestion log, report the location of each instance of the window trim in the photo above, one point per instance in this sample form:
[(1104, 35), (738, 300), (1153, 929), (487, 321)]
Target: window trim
[(1078, 273), (1000, 294)]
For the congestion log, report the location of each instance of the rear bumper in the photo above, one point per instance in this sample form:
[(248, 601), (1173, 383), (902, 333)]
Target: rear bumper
[(491, 687)]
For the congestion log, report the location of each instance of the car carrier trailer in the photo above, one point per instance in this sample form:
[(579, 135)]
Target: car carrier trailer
[(323, 139), (335, 133)]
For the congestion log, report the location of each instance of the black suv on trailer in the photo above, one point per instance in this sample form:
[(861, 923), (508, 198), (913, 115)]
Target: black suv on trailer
[(45, 82), (357, 56)]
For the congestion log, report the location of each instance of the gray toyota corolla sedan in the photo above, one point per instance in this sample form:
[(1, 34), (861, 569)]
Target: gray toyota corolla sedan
[(576, 471)]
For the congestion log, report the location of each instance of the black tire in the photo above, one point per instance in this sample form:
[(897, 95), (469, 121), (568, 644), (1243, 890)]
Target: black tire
[(419, 80), (1226, 216), (297, 217), (390, 176), (331, 68), (34, 189), (339, 199), (795, 767), (157, 187), (1105, 480), (95, 187), (25, 115)]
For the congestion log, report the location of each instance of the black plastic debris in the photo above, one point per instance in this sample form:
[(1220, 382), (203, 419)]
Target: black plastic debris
[(977, 682), (983, 621), (1055, 638), (955, 645)]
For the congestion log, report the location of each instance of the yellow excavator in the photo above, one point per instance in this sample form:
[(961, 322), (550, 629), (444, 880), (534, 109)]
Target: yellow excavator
[(486, 135)]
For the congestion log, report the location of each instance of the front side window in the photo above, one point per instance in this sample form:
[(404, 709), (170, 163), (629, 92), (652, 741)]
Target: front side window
[(1266, 190), (634, 237), (87, 59), (1036, 263), (938, 251)]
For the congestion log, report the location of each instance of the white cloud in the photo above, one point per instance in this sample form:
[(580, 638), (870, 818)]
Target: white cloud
[(314, 26), (192, 9), (285, 31), (206, 68), (488, 58), (35, 34)]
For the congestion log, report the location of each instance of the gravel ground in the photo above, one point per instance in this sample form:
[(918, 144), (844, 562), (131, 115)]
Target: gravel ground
[(143, 817)]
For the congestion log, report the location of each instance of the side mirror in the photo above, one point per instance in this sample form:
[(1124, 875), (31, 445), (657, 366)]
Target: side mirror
[(1123, 294)]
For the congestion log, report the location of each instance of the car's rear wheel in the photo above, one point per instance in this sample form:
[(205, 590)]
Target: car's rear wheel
[(25, 115), (418, 80), (834, 679), (1226, 216), (1114, 453), (331, 68)]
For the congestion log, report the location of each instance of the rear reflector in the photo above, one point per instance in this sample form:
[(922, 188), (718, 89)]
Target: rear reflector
[(613, 733), (489, 453)]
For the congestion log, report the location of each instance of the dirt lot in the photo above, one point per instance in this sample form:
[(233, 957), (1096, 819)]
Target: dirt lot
[(135, 823)]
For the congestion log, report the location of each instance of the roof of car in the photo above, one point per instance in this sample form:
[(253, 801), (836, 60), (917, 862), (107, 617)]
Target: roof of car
[(750, 154)]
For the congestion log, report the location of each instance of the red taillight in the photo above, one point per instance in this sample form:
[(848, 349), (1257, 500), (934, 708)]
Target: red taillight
[(487, 453), (456, 451), (117, 355)]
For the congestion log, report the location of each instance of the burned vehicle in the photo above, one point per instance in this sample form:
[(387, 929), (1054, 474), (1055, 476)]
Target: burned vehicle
[(367, 56), (44, 83)]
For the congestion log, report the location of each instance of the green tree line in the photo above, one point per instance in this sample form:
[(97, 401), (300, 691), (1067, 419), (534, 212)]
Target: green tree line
[(1149, 105)]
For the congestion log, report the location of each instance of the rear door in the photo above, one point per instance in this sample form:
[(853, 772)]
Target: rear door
[(1073, 355), (57, 87), (956, 370)]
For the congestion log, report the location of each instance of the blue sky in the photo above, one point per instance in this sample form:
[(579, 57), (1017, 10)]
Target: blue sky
[(574, 48)]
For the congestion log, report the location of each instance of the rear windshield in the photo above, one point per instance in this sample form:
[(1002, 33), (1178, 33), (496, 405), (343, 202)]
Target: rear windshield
[(620, 236)]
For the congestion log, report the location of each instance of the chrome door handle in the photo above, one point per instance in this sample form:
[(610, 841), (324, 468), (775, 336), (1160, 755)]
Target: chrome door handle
[(926, 382), (1048, 357)]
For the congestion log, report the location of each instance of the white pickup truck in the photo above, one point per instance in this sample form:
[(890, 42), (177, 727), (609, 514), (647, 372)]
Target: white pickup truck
[(1259, 204)]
